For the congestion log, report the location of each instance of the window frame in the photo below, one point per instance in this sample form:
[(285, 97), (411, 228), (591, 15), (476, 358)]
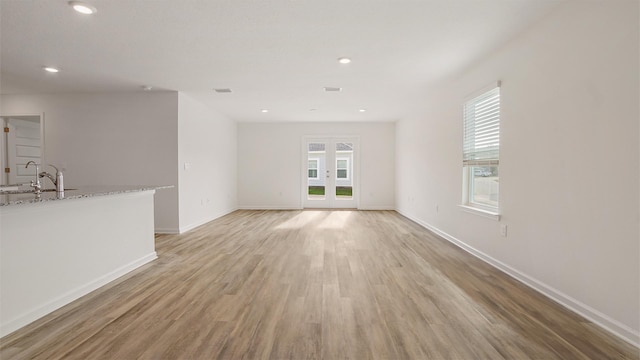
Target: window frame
[(468, 166), (470, 199)]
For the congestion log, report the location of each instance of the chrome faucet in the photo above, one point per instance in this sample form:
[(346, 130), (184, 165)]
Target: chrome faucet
[(37, 187), (57, 181), (44, 173)]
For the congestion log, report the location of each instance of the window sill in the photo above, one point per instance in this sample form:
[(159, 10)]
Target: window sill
[(481, 212)]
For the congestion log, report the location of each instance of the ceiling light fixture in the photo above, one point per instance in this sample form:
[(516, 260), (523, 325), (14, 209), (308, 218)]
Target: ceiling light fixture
[(332, 89), (264, 110), (362, 110), (50, 69), (344, 60), (222, 90), (83, 8), (147, 88)]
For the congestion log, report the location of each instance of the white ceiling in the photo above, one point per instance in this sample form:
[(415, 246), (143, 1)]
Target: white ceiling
[(274, 54)]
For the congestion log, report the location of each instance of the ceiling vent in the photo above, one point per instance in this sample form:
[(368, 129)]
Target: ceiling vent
[(222, 91), (332, 89)]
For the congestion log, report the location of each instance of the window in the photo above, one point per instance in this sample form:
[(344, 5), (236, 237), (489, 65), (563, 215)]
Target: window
[(313, 169), (481, 148), (342, 168)]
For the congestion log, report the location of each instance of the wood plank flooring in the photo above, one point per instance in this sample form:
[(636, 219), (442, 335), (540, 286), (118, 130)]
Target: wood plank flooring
[(313, 285)]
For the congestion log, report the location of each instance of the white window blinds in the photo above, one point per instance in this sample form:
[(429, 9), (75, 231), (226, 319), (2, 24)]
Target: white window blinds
[(481, 143)]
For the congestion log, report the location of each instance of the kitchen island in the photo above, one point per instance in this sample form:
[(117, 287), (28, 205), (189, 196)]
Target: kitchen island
[(55, 248)]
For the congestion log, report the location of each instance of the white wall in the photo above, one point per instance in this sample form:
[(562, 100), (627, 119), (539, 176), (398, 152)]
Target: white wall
[(569, 162), (207, 143), (270, 170), (111, 139)]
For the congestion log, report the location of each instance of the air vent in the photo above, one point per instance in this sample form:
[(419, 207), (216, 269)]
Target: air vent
[(222, 91), (332, 89)]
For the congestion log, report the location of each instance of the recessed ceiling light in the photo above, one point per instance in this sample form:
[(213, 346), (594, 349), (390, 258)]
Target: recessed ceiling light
[(330, 89), (362, 110), (313, 109), (264, 110), (344, 60), (82, 8), (222, 90), (147, 88), (50, 69)]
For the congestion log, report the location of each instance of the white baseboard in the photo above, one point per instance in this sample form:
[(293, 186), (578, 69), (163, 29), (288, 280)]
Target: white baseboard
[(64, 299), (260, 207), (606, 322), (376, 207), (200, 222), (372, 207), (166, 231)]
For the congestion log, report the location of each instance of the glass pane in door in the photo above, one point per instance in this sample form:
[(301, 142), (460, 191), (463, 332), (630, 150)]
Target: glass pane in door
[(316, 179), (344, 171)]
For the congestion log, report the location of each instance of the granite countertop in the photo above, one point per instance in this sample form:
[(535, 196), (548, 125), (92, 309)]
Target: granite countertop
[(8, 199)]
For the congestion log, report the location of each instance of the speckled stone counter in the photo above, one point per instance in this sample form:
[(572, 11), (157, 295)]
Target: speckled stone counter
[(9, 199)]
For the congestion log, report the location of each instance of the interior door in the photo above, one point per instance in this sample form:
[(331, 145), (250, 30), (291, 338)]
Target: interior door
[(23, 141), (329, 176)]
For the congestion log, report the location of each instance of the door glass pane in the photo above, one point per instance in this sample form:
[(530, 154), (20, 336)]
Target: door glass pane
[(344, 169), (313, 169), (316, 156)]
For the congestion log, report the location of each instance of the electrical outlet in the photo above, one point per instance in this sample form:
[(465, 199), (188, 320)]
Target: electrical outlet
[(503, 230), (437, 208)]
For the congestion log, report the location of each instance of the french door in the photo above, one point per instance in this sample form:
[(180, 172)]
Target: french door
[(330, 172)]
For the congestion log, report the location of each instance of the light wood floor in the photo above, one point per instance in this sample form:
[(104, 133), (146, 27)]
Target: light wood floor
[(313, 285)]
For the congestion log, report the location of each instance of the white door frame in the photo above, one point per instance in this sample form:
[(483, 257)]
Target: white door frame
[(355, 139), (4, 152)]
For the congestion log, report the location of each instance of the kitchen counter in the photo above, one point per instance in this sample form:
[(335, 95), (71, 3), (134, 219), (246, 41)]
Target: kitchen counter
[(55, 249), (9, 198)]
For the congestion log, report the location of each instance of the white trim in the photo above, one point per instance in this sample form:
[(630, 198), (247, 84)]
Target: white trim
[(482, 212), (482, 90), (74, 294), (262, 207), (377, 207), (205, 220), (172, 231), (604, 321)]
